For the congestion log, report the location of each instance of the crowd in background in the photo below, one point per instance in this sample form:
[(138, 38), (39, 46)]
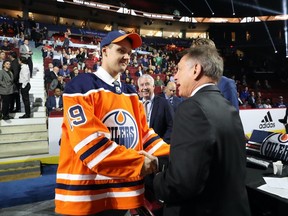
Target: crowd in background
[(63, 62)]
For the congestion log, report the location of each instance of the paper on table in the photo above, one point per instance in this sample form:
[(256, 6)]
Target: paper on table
[(276, 186), (277, 182)]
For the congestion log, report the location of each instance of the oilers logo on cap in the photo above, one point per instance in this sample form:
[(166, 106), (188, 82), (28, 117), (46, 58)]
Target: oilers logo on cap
[(122, 127)]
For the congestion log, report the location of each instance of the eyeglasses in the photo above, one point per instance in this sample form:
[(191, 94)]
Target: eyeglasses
[(172, 90)]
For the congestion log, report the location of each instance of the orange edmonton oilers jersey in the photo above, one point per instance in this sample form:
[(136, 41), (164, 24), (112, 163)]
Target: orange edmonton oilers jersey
[(103, 130)]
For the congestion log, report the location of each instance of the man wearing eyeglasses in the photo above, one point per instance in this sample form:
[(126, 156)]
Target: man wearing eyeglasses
[(170, 94)]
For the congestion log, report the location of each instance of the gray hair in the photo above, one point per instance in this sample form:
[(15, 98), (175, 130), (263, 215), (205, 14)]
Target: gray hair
[(209, 58), (146, 76)]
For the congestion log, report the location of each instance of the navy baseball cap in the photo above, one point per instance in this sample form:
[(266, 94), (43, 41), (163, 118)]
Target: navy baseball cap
[(117, 36)]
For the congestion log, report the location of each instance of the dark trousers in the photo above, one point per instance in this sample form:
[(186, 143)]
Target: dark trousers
[(6, 100), (30, 65), (15, 99), (25, 98)]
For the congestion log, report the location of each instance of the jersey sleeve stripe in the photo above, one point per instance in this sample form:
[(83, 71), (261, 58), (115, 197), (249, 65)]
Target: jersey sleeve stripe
[(150, 141), (75, 198), (102, 155), (98, 186), (156, 147), (89, 139), (93, 148), (76, 177), (151, 131)]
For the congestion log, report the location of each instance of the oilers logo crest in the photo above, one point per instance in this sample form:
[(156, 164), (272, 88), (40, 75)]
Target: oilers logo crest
[(275, 146), (122, 127)]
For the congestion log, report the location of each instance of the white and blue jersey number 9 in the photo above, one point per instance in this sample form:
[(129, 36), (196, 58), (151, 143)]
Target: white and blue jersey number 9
[(77, 116)]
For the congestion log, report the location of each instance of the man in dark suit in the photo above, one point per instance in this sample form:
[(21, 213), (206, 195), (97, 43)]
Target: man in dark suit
[(207, 164), (158, 111), (55, 102), (170, 95)]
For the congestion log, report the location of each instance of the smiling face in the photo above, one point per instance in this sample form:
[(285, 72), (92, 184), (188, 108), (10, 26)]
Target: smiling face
[(146, 87), (116, 57)]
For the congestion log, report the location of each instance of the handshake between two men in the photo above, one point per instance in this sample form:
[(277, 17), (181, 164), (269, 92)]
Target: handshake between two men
[(150, 164)]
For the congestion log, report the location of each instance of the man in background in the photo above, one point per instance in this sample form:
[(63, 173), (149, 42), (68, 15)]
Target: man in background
[(158, 111), (26, 52), (169, 94)]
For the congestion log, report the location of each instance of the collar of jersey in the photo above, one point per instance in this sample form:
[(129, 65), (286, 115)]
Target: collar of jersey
[(106, 77)]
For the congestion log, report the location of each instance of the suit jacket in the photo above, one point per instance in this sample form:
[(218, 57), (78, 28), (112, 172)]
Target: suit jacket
[(206, 171), (176, 101), (6, 82), (229, 90), (51, 103), (23, 51), (161, 119)]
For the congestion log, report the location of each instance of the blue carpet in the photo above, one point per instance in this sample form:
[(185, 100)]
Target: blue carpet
[(30, 190)]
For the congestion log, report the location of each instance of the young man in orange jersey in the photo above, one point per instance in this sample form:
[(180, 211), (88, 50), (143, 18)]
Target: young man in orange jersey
[(104, 134)]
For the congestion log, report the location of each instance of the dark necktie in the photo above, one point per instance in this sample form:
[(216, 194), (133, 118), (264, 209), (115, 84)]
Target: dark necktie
[(171, 100), (117, 87), (147, 110)]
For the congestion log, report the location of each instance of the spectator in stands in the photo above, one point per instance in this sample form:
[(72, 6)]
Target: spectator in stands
[(24, 81), (258, 103), (158, 69), (252, 99), (244, 95), (57, 59), (240, 101), (26, 52), (159, 113), (2, 58), (267, 103), (6, 88), (207, 139), (145, 63), (266, 85), (6, 46), (139, 72), (132, 82), (126, 74), (127, 80), (58, 83), (45, 50), (167, 80), (74, 73), (64, 71), (81, 57), (50, 75), (55, 102), (169, 94), (158, 81), (15, 69), (47, 76), (280, 103), (66, 41)]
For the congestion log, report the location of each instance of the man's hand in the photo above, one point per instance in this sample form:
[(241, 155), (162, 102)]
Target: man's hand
[(149, 165)]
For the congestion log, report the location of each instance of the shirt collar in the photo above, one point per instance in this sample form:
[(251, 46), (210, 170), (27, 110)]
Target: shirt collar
[(106, 77), (151, 99), (200, 87)]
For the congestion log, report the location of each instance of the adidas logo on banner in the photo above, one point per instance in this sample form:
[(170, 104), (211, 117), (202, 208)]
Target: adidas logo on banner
[(267, 122)]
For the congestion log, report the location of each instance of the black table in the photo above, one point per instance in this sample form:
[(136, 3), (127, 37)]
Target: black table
[(261, 202)]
